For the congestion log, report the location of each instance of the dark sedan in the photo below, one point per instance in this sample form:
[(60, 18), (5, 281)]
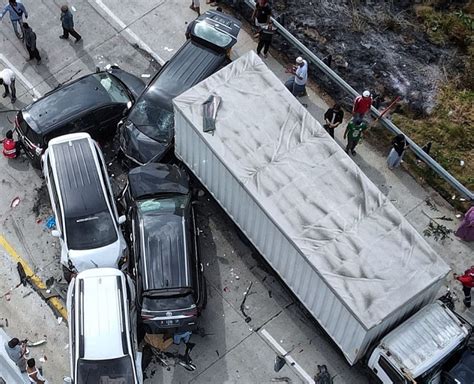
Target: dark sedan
[(165, 263), (94, 103), (146, 135)]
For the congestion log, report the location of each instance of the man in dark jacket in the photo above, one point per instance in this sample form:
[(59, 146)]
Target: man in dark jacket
[(67, 21), (332, 118), (266, 35), (30, 42)]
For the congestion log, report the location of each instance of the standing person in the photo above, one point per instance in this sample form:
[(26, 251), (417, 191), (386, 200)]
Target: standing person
[(362, 105), (333, 117), (16, 10), (67, 21), (10, 148), (266, 36), (466, 228), (34, 373), (399, 144), (467, 281), (354, 131), (297, 83), (16, 351), (196, 6), (30, 42), (261, 14), (7, 78)]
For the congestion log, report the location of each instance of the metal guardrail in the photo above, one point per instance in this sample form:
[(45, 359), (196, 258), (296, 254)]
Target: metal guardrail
[(460, 188)]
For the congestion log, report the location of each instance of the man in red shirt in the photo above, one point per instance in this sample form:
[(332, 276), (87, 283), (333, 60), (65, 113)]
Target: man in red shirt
[(467, 281), (362, 105), (10, 150)]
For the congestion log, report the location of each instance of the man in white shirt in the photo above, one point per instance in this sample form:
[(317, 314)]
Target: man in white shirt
[(7, 78), (297, 83)]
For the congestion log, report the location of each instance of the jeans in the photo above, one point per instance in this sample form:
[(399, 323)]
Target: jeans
[(295, 89), (351, 144), (10, 88), (71, 31), (15, 24)]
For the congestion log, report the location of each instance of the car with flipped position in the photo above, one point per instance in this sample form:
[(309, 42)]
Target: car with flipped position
[(171, 290), (146, 133), (87, 220), (102, 339), (93, 103)]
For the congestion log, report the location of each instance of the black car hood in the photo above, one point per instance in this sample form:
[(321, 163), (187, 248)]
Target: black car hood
[(139, 147), (133, 83), (155, 179)]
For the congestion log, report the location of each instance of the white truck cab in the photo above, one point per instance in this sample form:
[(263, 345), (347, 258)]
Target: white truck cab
[(416, 351)]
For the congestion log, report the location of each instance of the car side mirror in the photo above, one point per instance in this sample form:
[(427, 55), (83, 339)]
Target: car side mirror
[(56, 233), (122, 219)]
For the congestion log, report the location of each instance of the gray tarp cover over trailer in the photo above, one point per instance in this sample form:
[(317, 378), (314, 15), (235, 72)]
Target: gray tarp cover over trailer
[(346, 252)]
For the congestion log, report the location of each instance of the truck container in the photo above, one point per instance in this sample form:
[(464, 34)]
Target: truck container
[(335, 240)]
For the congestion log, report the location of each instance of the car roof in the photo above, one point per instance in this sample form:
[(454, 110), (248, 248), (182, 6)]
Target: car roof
[(165, 263), (102, 320), (190, 65), (66, 102), (81, 188), (154, 179)]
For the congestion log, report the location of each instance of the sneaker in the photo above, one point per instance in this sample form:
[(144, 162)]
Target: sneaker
[(467, 303), (353, 153), (77, 40), (265, 56), (63, 37), (4, 95), (13, 100), (39, 62)]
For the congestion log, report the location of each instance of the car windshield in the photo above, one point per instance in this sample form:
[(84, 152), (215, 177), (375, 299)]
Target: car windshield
[(114, 88), (156, 301), (211, 35), (161, 205), (152, 119), (92, 231), (111, 371)]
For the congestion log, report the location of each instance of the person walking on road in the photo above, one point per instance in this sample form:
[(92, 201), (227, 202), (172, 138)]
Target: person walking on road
[(399, 145), (467, 281), (7, 78), (34, 373), (67, 20), (332, 118), (353, 132), (16, 11), (16, 351), (266, 36), (362, 105), (30, 42), (297, 83), (466, 228)]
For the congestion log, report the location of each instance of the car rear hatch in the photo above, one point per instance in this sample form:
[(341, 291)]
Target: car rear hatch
[(29, 137)]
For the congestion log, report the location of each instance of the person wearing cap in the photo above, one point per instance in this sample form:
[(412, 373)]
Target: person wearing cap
[(362, 105), (297, 83), (67, 22), (353, 132), (7, 78), (467, 281), (30, 43)]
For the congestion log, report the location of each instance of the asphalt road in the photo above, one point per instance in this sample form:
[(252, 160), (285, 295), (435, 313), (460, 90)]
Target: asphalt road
[(139, 36)]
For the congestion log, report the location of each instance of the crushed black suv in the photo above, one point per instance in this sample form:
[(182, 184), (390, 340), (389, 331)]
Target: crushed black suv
[(94, 103), (147, 133), (165, 262)]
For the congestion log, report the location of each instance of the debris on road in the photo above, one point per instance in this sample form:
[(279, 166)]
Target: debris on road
[(15, 202), (50, 222), (248, 319)]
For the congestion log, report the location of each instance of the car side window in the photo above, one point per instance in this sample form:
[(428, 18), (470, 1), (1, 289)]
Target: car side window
[(55, 196)]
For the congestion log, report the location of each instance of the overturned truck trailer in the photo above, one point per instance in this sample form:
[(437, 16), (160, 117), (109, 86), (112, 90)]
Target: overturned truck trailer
[(338, 243)]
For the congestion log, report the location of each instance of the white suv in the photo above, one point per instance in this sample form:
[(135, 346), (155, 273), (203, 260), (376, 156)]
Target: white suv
[(102, 343), (87, 222)]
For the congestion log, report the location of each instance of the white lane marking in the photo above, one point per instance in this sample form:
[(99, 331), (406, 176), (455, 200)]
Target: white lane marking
[(20, 76), (132, 34), (289, 360)]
